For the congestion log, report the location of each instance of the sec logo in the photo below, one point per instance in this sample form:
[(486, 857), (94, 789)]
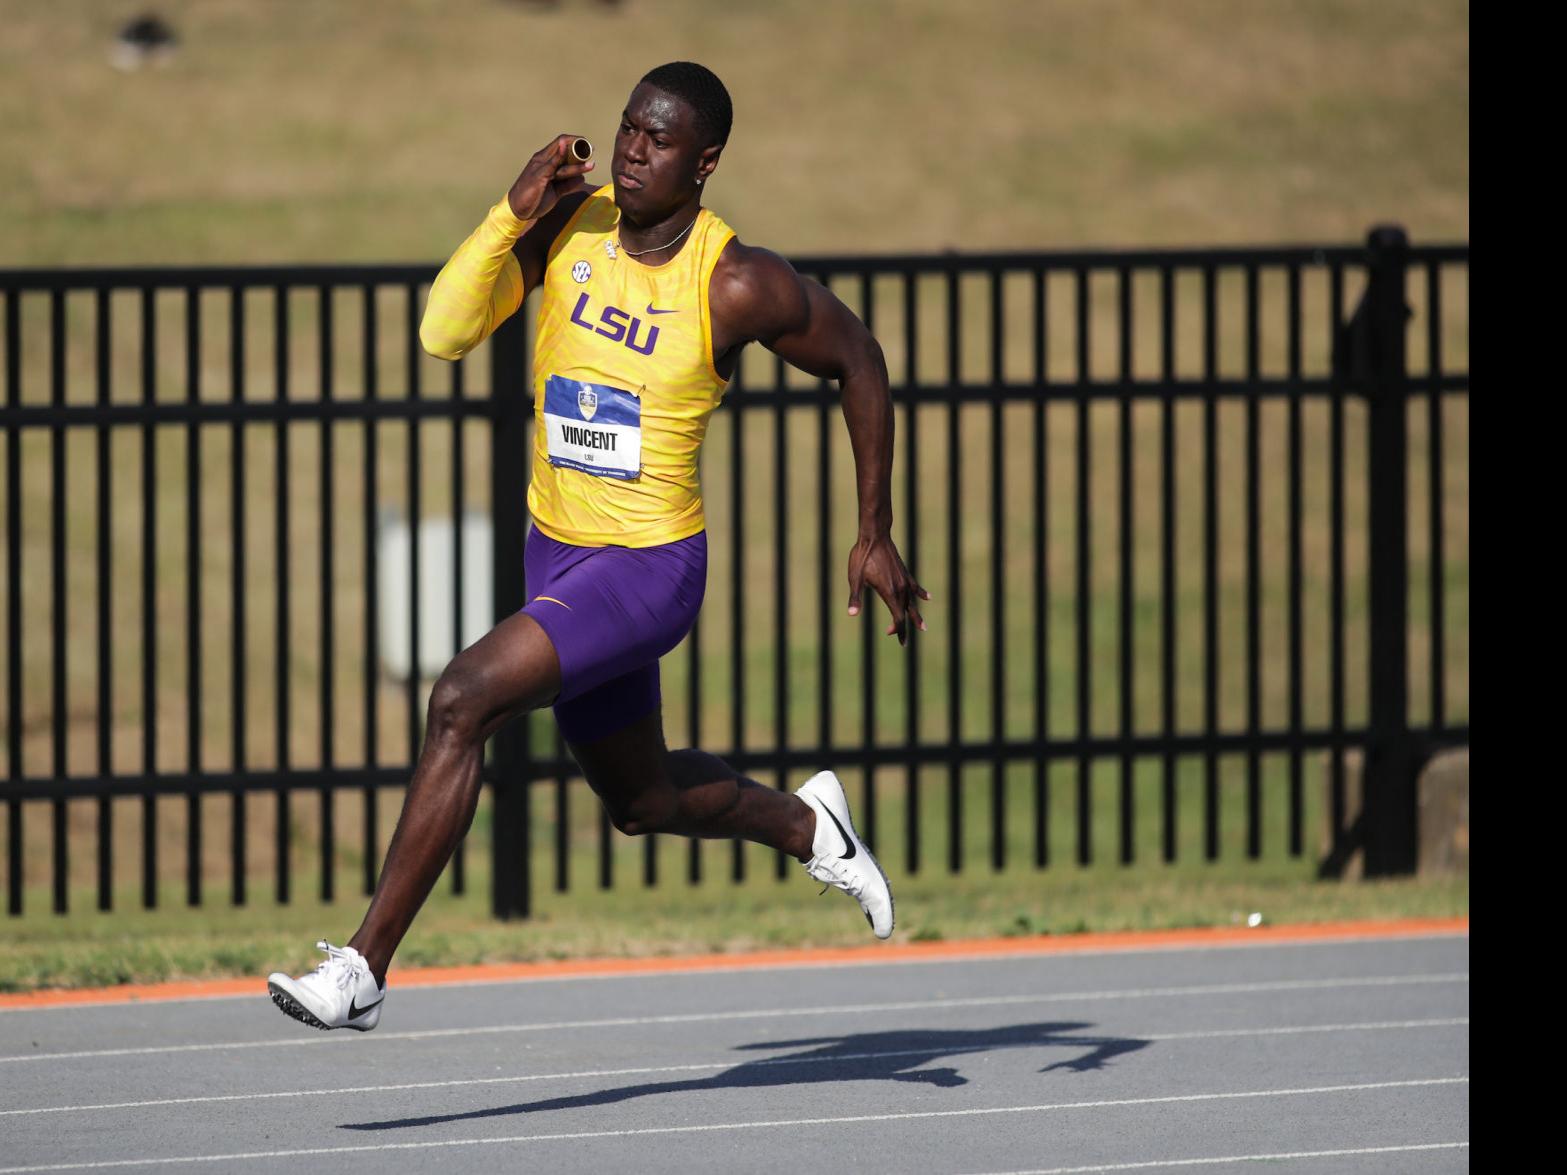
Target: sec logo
[(581, 271)]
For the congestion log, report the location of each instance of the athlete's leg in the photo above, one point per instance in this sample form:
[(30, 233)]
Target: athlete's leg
[(646, 787), (511, 670)]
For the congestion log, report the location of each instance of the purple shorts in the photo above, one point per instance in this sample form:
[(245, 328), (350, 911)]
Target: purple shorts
[(611, 613)]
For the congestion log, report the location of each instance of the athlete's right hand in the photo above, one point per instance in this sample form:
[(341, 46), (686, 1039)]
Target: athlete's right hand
[(549, 175)]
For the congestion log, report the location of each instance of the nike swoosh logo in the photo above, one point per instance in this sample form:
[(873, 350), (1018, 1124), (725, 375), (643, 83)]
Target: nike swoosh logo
[(650, 310), (848, 841), (354, 1012)]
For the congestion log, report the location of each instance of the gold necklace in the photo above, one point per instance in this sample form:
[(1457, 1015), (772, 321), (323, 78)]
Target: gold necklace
[(619, 244)]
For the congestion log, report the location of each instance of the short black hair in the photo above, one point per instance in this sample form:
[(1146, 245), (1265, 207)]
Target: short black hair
[(699, 88)]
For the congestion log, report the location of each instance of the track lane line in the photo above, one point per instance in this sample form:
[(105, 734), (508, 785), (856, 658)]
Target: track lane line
[(714, 1127), (1152, 1037), (1208, 989), (1217, 1159)]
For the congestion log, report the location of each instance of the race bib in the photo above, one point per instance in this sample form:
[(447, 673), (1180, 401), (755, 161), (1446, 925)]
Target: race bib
[(593, 427)]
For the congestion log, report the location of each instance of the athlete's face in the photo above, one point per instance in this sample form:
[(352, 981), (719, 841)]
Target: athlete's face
[(659, 156)]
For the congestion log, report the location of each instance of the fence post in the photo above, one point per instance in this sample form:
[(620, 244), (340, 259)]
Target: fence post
[(1390, 794), (511, 894)]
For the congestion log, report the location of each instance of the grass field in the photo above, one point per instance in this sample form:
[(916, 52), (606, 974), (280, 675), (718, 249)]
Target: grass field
[(295, 131), (292, 131), (86, 948)]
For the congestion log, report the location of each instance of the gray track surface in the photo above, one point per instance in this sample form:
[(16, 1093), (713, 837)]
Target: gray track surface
[(1112, 1061)]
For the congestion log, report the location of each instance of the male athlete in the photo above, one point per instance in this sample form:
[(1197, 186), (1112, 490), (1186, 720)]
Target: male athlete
[(648, 299)]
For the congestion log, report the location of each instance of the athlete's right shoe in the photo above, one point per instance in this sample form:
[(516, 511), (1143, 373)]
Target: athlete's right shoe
[(340, 993), (840, 858)]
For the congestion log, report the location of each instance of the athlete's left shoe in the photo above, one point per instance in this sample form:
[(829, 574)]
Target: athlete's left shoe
[(840, 858), (340, 993)]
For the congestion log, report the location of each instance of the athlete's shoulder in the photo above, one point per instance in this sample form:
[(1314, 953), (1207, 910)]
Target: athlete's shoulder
[(756, 293)]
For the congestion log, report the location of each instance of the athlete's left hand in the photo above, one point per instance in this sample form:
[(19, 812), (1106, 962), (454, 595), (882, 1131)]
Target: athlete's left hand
[(875, 561)]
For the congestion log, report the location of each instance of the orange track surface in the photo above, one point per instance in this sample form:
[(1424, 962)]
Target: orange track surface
[(905, 952)]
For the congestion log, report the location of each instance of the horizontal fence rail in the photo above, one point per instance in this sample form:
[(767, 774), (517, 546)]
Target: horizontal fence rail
[(1196, 523)]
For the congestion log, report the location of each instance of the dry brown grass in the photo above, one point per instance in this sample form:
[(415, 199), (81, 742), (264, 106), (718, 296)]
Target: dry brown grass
[(292, 130)]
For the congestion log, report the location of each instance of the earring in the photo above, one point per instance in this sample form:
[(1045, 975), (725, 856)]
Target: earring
[(699, 179)]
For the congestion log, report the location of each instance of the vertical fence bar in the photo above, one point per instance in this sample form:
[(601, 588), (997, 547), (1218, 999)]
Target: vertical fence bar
[(954, 576), (1435, 474), (694, 718), (998, 547), (59, 858), (781, 584), (911, 697), (280, 361), (193, 681), (825, 581), (606, 845), (869, 627), (1391, 800), (1253, 571), (102, 358), (415, 508), (1085, 847), (650, 860), (1297, 784), (13, 596), (511, 892), (1041, 341), (324, 335), (1210, 560), (1124, 471), (1337, 806), (372, 597), (562, 845), (737, 588), (1167, 630), (237, 659), (149, 602), (459, 578)]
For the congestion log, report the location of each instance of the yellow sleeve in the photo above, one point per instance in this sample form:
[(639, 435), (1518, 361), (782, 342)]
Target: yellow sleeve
[(479, 288)]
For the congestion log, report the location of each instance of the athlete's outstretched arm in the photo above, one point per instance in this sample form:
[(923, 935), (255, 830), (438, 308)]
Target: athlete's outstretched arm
[(756, 294), (484, 282)]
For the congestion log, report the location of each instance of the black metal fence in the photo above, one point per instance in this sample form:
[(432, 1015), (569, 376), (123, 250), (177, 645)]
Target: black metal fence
[(1196, 522)]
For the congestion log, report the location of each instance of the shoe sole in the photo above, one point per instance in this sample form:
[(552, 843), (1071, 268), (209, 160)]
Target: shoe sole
[(289, 1006), (892, 903)]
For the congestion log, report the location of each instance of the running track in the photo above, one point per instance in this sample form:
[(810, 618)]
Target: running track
[(1345, 1050)]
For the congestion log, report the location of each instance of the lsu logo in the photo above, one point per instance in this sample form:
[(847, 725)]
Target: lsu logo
[(617, 325)]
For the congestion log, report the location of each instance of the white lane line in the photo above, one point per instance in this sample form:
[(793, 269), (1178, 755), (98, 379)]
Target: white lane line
[(774, 1013), (1217, 1159), (712, 1127), (731, 1063)]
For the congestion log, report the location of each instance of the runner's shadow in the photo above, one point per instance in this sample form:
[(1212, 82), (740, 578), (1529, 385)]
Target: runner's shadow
[(866, 1056)]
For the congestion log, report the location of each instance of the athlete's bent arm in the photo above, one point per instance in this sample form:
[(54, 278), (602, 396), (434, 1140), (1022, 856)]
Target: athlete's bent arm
[(486, 279), (757, 295)]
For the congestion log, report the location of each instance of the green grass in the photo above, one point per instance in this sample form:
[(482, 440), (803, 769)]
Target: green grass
[(136, 946), (88, 948)]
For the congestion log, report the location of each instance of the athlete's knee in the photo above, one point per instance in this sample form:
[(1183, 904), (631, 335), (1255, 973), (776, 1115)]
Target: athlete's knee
[(456, 704), (650, 810)]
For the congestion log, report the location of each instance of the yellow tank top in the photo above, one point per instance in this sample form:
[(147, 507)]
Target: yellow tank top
[(623, 384)]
